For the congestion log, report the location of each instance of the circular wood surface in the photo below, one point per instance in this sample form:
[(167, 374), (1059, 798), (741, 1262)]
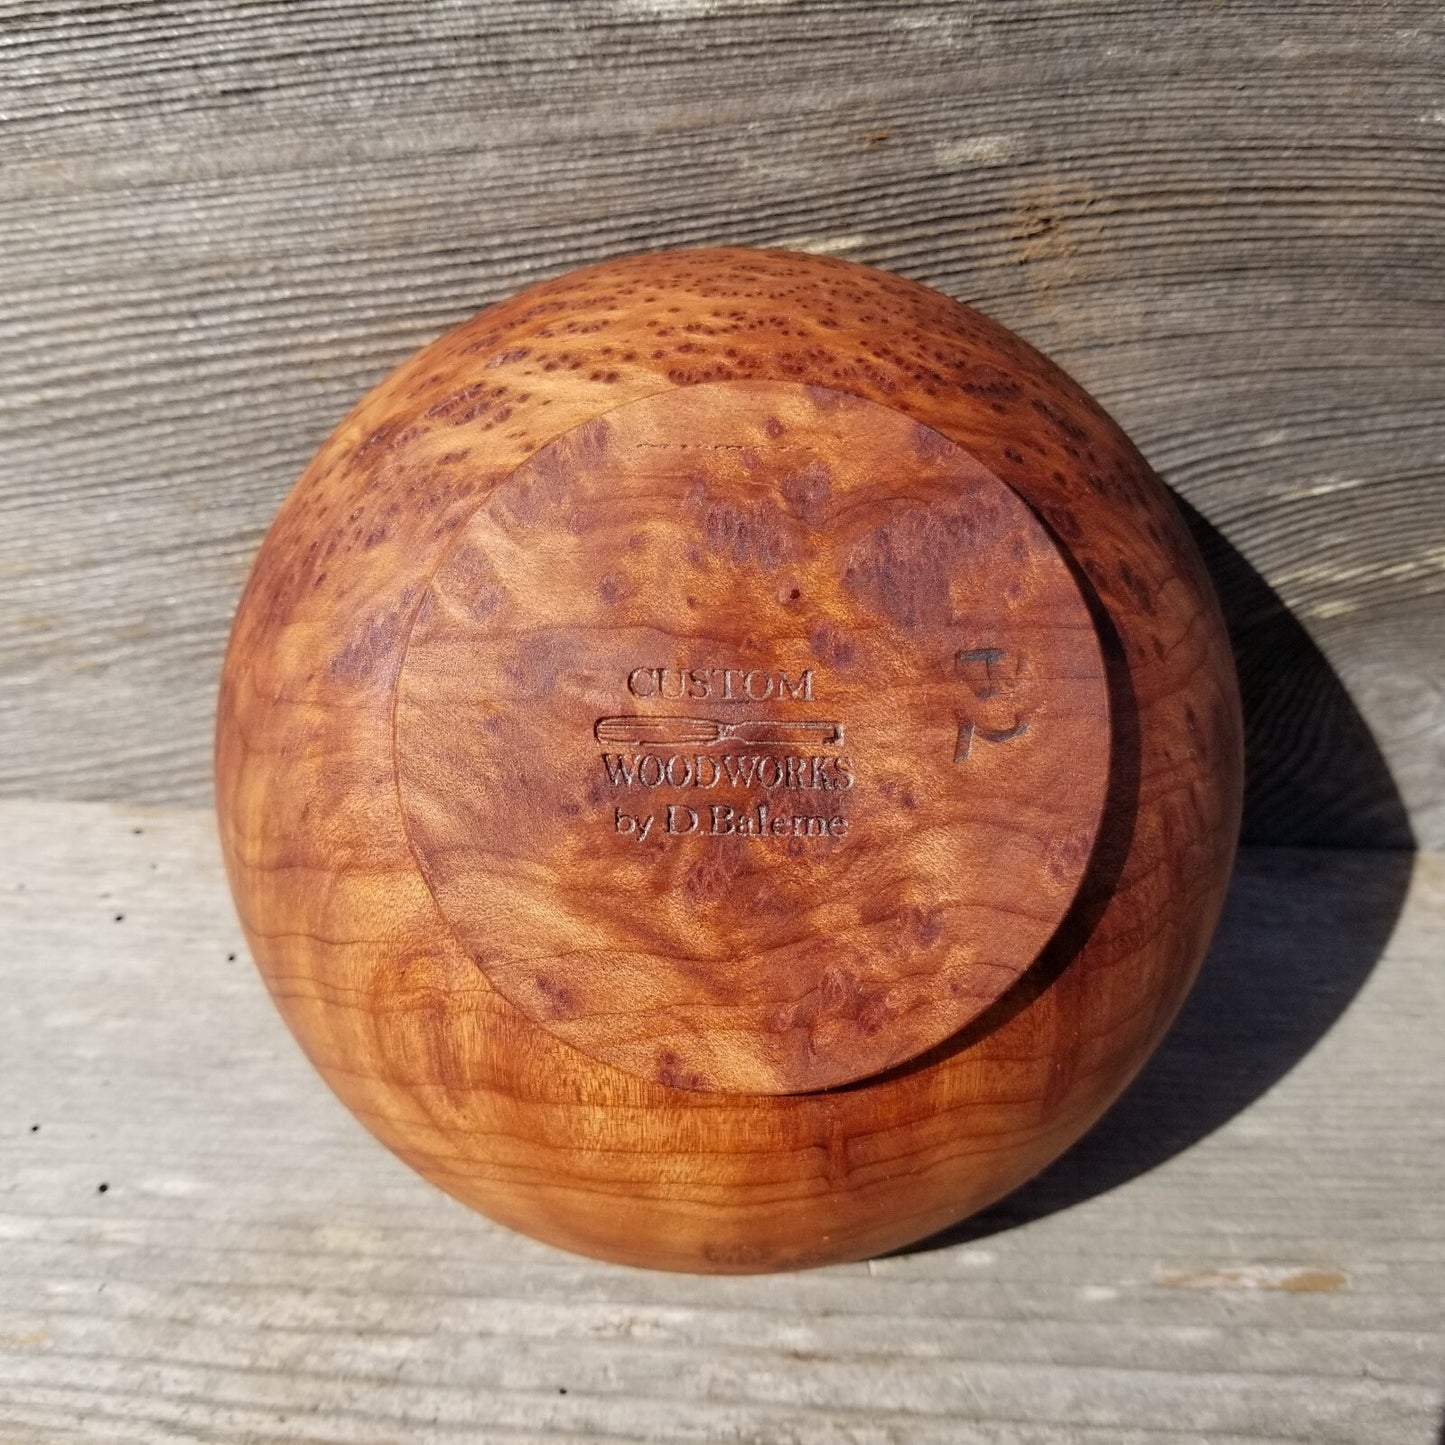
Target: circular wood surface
[(752, 737), (449, 603)]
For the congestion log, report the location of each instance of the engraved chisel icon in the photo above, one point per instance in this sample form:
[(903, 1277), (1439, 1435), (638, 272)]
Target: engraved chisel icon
[(701, 732)]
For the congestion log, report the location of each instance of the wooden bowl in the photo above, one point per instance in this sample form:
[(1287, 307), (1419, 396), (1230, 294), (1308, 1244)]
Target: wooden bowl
[(728, 760)]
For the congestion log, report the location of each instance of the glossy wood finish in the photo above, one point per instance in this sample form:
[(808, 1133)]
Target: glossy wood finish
[(752, 736), (343, 757)]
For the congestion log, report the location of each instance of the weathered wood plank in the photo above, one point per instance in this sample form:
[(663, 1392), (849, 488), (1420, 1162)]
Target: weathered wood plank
[(259, 1270), (220, 223)]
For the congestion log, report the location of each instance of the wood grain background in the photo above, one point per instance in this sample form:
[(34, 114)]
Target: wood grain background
[(257, 1271), (220, 223)]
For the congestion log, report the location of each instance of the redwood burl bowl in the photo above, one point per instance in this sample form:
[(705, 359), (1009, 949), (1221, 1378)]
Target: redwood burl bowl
[(728, 760)]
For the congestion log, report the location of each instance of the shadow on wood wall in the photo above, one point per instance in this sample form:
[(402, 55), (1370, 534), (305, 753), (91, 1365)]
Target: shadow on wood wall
[(1314, 775), (1302, 927)]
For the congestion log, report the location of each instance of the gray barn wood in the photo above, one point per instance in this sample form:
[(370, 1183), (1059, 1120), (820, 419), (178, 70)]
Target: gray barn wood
[(258, 1269), (220, 223)]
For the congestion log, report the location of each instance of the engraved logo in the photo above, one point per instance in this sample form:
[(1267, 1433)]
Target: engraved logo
[(683, 753), (687, 732), (722, 684), (990, 674)]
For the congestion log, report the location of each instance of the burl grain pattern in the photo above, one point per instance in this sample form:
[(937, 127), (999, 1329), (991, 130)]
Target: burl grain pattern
[(536, 555), (751, 736)]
